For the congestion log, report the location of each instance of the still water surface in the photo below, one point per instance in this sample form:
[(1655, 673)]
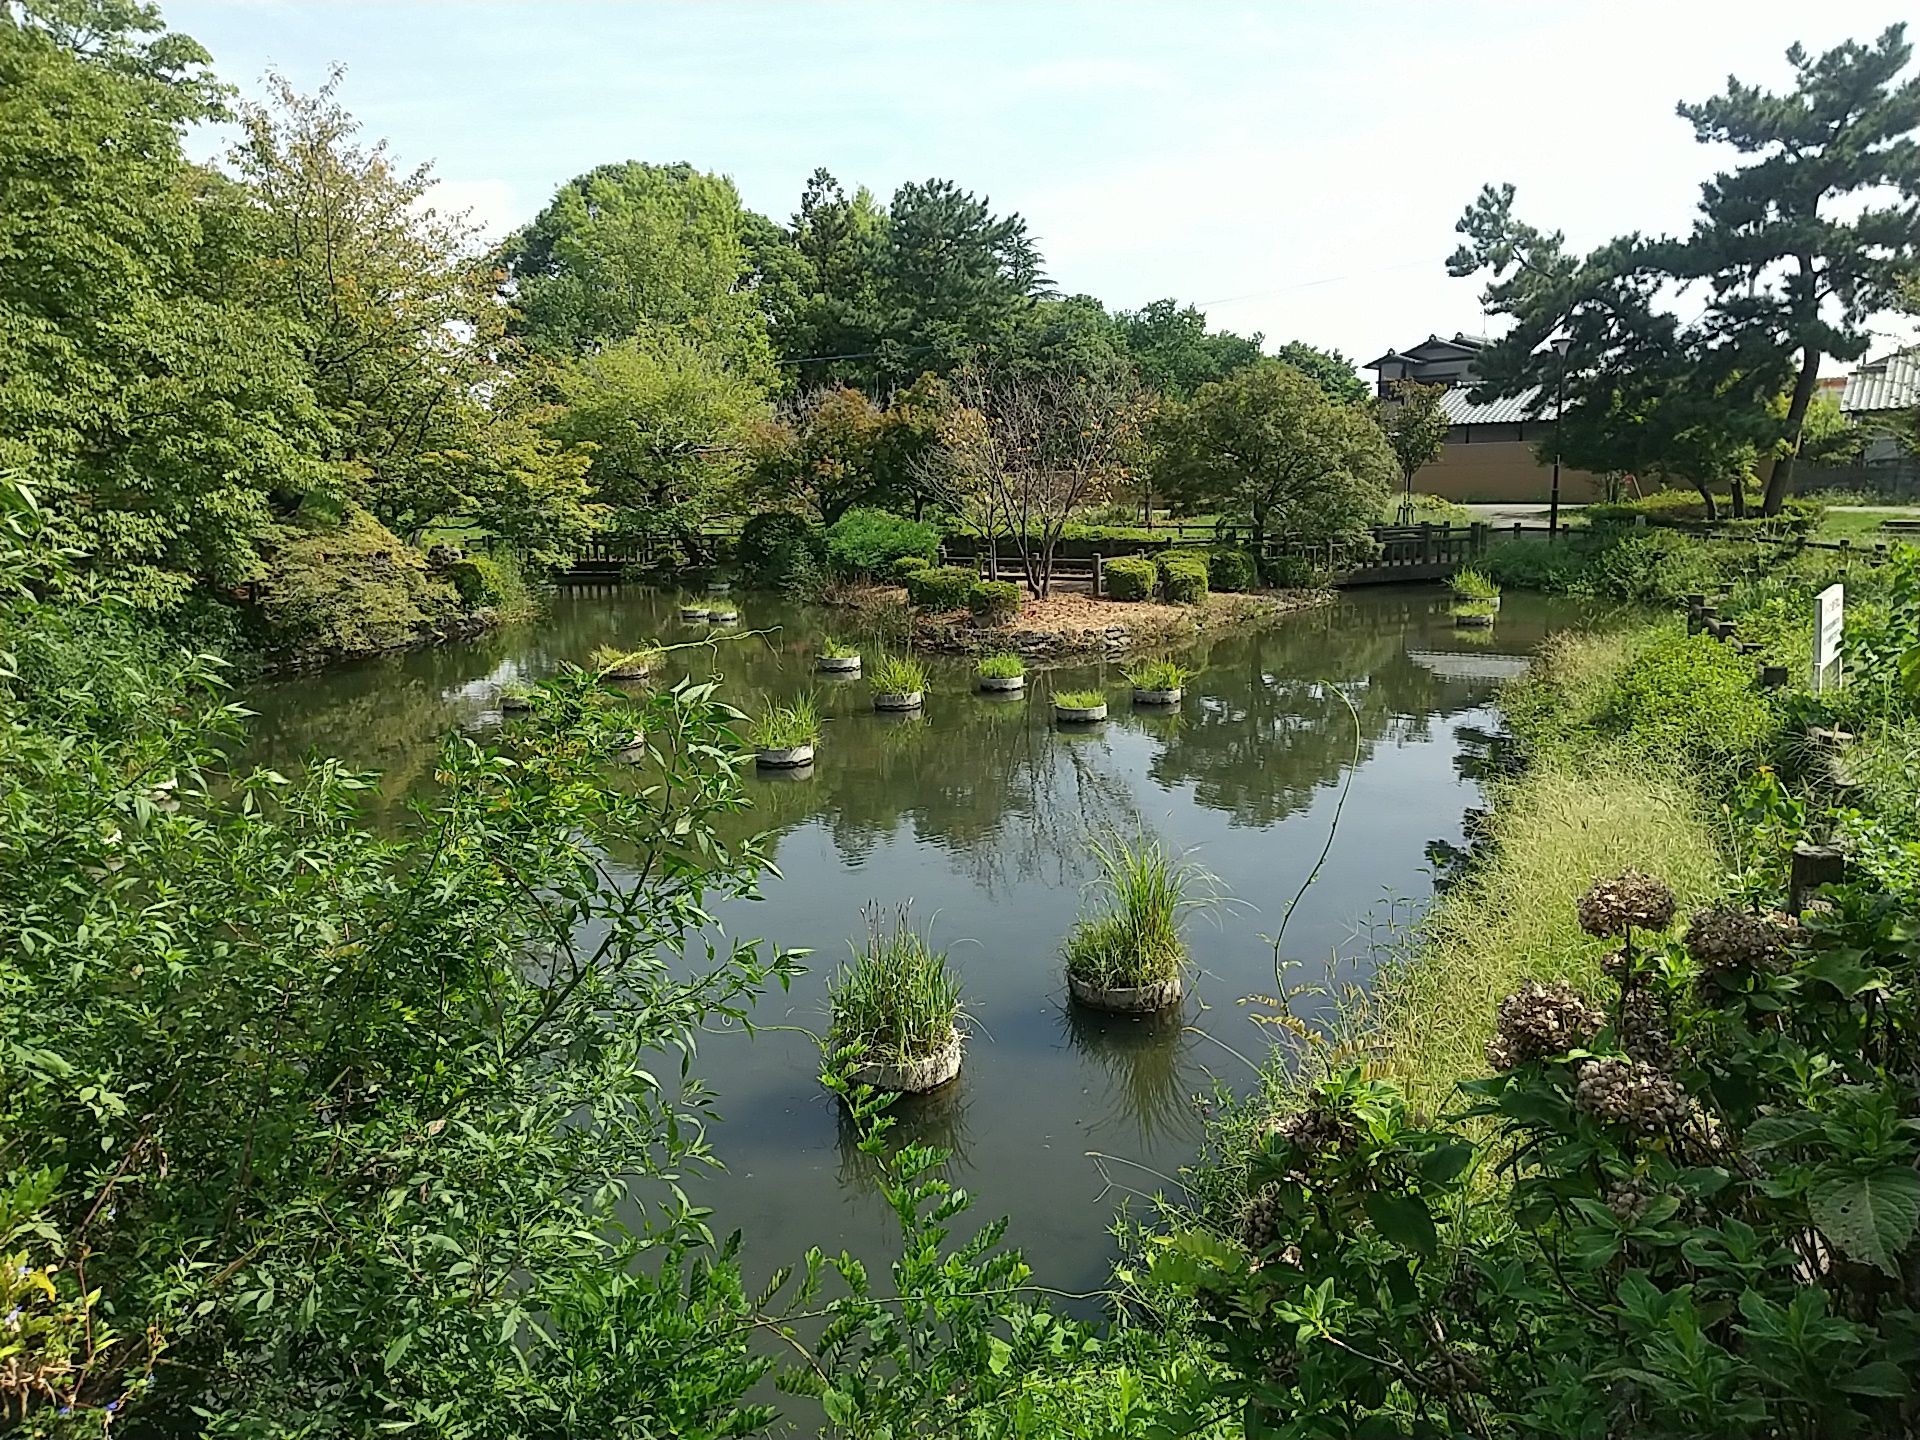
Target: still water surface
[(978, 813)]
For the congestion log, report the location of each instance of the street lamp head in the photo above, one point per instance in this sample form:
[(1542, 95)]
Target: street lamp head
[(1561, 344)]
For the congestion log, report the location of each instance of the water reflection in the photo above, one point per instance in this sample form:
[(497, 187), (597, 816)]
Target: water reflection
[(937, 1119), (1148, 1070)]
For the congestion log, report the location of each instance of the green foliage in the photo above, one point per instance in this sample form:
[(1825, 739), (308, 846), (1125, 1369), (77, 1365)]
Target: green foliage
[(834, 649), (1291, 570), (1415, 424), (907, 565), (1079, 699), (1133, 938), (1183, 576), (1471, 584), (944, 587), (871, 542), (1000, 667), (1130, 577), (1176, 354), (612, 661), (1157, 674), (1798, 515), (351, 589), (898, 1001), (1231, 569), (778, 549), (898, 675), (1523, 565), (993, 602), (478, 580), (781, 727)]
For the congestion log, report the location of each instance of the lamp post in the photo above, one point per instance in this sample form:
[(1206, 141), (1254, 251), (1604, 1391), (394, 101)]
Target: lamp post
[(1560, 344)]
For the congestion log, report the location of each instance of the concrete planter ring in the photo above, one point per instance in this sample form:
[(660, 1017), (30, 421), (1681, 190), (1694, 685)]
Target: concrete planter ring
[(723, 617), (916, 1076), (515, 704), (1079, 715), (839, 664), (1002, 684), (1126, 999), (789, 757), (1158, 697), (911, 700), (1473, 622), (718, 587), (694, 612)]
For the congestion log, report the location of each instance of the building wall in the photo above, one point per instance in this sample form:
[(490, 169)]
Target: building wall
[(1504, 470)]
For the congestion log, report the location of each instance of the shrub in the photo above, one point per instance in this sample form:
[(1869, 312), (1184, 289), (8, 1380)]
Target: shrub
[(898, 1001), (907, 565), (1527, 565), (1292, 572), (777, 548), (944, 587), (993, 602), (898, 675), (351, 588), (1231, 570), (781, 727), (1135, 940), (868, 542), (477, 579), (1693, 699), (1130, 577), (1000, 667), (1183, 577)]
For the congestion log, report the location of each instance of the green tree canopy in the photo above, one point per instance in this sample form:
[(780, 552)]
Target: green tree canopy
[(1174, 351), (1415, 424), (1270, 449)]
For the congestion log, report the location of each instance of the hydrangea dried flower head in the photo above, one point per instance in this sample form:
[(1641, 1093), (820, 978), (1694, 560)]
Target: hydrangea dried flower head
[(1731, 940), (1629, 901), (1538, 1021), (1630, 1093)]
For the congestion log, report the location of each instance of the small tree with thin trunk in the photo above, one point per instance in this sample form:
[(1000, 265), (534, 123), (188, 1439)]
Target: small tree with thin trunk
[(1020, 454), (1416, 428)]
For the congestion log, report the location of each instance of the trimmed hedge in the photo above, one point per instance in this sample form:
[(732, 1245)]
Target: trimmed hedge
[(1231, 569), (868, 542), (1183, 578), (908, 565), (477, 579), (943, 587), (1130, 577), (993, 602)]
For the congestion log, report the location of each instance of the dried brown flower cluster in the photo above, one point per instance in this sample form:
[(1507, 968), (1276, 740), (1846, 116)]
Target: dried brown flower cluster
[(1730, 940), (1538, 1021), (1630, 1199), (1311, 1129), (1630, 1093), (1642, 1031), (1629, 901), (1260, 1221)]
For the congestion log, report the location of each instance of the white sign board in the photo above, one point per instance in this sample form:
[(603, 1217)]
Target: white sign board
[(1829, 619)]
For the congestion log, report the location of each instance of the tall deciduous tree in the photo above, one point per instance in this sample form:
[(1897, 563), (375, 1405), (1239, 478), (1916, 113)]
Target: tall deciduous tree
[(1174, 351), (1270, 449), (818, 455), (1415, 422)]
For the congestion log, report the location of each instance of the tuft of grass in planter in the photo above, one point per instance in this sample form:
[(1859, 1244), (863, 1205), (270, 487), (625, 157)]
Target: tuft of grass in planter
[(832, 649), (897, 1002), (612, 657), (1134, 939), (1079, 699), (1474, 585), (898, 675), (781, 727), (1000, 667), (1157, 675), (1473, 607)]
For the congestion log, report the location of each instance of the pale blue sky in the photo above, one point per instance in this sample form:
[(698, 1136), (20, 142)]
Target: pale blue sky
[(1294, 168)]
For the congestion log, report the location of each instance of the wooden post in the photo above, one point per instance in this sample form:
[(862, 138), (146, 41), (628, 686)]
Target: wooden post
[(1099, 575), (1811, 867)]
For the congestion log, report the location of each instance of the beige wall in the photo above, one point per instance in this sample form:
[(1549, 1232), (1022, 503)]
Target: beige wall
[(1502, 470)]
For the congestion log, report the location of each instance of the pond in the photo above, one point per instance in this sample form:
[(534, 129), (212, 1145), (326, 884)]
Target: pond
[(979, 813)]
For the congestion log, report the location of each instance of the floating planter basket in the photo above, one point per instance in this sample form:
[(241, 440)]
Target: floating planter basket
[(1078, 714), (694, 612), (915, 1076), (904, 700), (1126, 999), (1157, 697), (723, 617), (1001, 684), (513, 703), (839, 664), (718, 587), (631, 751), (789, 757)]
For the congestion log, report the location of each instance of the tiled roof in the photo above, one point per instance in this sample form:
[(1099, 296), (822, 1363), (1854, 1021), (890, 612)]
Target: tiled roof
[(1525, 406), (1892, 383)]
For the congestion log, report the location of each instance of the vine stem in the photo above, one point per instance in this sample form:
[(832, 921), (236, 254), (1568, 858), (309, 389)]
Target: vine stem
[(1332, 830)]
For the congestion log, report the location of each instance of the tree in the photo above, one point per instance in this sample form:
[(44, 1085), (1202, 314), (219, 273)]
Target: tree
[(1021, 453), (820, 283), (1174, 351), (818, 456), (634, 249), (1333, 371), (163, 418), (1269, 449), (1803, 246), (668, 429), (1415, 424)]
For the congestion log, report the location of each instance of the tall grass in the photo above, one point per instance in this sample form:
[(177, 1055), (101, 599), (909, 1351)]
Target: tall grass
[(833, 649), (1470, 584), (1000, 667), (1157, 675), (897, 1002), (1133, 938), (781, 727), (898, 675), (1080, 699)]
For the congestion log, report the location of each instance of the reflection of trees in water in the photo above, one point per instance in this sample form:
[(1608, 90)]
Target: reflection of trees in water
[(1150, 1084), (938, 1119)]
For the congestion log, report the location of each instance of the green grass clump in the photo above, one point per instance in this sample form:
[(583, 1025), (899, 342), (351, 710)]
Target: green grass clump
[(1000, 667), (781, 727), (897, 1002), (1134, 939), (1472, 607), (1472, 584), (1079, 699), (833, 649), (898, 675), (1157, 675), (612, 657), (516, 696)]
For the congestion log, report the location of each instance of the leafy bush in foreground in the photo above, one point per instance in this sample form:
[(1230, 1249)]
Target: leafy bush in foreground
[(1183, 577), (872, 542), (1130, 577), (993, 602), (943, 588)]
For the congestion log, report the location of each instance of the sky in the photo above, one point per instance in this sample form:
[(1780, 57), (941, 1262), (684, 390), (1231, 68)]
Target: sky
[(1294, 169)]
